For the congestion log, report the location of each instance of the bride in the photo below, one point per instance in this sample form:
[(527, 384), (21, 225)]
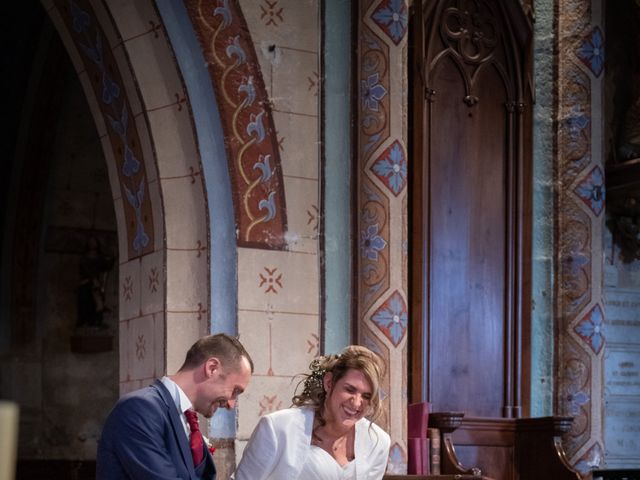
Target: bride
[(326, 434)]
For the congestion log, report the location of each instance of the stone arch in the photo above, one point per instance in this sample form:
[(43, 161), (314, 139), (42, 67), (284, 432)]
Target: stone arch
[(136, 94)]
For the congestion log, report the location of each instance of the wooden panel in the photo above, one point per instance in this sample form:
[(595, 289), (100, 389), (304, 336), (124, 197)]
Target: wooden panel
[(489, 445), (468, 255), (471, 200), (494, 462)]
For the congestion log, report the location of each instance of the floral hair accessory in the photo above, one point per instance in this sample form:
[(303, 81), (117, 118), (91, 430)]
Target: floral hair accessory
[(314, 380)]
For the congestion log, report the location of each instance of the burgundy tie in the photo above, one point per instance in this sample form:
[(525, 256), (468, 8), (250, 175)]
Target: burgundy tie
[(195, 438)]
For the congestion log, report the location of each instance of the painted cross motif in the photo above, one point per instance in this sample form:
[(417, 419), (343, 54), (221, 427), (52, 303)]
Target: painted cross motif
[(591, 190), (271, 280), (269, 404), (591, 329), (280, 141), (153, 279), (200, 248), (127, 288), (391, 16), (141, 347), (591, 52), (312, 213), (201, 311), (271, 13), (391, 168), (391, 318), (313, 83), (313, 345)]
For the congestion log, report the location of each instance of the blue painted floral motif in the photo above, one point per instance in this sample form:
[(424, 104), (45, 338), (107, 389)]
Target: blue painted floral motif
[(268, 204), (373, 139), (131, 164), (576, 400), (591, 329), (391, 16), (372, 92), (119, 125), (391, 168), (591, 52), (94, 51), (81, 19), (591, 460), (136, 200), (592, 190), (576, 264), (235, 50), (263, 164), (256, 126), (110, 89), (223, 10), (371, 243), (577, 123), (248, 88), (391, 318)]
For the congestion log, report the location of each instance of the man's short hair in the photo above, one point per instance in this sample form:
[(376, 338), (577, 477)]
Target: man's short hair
[(223, 346)]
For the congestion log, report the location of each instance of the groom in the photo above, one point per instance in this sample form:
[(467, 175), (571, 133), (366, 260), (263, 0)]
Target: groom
[(152, 433)]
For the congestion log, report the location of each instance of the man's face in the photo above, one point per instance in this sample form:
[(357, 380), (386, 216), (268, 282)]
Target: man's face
[(222, 387)]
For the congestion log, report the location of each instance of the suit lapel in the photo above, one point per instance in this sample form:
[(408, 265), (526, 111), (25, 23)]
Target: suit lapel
[(178, 428)]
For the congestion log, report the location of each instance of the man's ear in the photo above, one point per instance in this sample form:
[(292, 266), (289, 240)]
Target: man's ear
[(327, 381), (211, 365)]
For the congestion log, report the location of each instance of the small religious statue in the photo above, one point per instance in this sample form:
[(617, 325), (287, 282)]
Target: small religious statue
[(94, 269), (629, 147), (629, 143)]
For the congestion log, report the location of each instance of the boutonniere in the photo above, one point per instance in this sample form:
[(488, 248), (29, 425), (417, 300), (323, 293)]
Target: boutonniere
[(209, 444)]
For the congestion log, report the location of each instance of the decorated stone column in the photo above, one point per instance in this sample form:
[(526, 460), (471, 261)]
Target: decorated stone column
[(382, 204), (579, 225)]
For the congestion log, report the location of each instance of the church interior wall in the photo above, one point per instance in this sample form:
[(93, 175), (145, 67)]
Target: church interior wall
[(160, 300)]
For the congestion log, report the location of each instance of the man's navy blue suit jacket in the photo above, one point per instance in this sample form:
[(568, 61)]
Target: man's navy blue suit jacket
[(144, 438)]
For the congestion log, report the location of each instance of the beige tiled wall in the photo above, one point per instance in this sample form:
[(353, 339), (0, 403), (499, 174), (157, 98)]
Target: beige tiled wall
[(278, 291)]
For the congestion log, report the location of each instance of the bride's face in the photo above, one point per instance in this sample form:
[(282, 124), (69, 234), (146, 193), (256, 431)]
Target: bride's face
[(348, 399)]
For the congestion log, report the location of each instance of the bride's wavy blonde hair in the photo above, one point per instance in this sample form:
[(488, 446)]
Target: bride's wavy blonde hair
[(352, 357)]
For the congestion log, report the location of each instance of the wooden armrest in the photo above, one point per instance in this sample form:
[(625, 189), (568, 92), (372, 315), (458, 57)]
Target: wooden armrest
[(540, 438), (447, 423), (523, 448)]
